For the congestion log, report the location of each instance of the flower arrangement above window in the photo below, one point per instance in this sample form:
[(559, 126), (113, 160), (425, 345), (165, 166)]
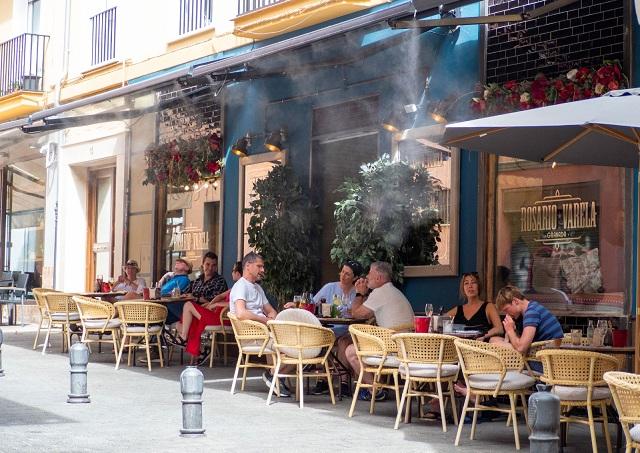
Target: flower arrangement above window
[(185, 163), (580, 83)]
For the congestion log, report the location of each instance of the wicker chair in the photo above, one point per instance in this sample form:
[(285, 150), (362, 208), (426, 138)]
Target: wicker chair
[(141, 320), (98, 318), (491, 370), (253, 340), (427, 359), (531, 355), (42, 307), (225, 331), (301, 344), (625, 388), (377, 354), (61, 311), (578, 380)]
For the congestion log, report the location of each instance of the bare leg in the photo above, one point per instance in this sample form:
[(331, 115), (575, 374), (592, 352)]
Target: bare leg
[(188, 313)]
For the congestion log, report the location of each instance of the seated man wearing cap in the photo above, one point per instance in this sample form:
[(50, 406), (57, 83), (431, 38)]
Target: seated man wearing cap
[(130, 282), (179, 278)]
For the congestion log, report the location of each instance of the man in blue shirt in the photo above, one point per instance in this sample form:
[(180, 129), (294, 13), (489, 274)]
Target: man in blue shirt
[(179, 278), (538, 323)]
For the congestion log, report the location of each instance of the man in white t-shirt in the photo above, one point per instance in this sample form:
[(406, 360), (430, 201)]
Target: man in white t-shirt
[(248, 301), (387, 304)]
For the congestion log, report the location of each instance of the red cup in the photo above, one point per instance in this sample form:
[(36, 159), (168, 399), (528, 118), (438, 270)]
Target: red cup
[(145, 294), (422, 324), (619, 338)]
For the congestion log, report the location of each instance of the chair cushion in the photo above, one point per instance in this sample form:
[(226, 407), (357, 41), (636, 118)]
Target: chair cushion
[(570, 393), (58, 316), (513, 380), (298, 315), (256, 349), (218, 329), (635, 433), (429, 370), (374, 360), (99, 323), (140, 329)]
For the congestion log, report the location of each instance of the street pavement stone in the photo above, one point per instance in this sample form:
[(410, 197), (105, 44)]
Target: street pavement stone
[(133, 410)]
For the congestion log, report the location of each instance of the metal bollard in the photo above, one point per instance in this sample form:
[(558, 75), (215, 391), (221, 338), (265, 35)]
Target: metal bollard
[(544, 421), (191, 386), (78, 359), (1, 341)]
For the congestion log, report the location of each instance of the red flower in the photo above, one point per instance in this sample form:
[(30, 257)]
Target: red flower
[(176, 157), (613, 85), (511, 85), (213, 167)]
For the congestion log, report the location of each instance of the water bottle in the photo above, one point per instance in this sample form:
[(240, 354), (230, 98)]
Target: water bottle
[(590, 331)]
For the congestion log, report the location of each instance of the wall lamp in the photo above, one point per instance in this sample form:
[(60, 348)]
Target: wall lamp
[(399, 119), (273, 142)]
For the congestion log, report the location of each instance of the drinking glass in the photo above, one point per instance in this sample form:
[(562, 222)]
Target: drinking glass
[(428, 310), (576, 337), (296, 300)]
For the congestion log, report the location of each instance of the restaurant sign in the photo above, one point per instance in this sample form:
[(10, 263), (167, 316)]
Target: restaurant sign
[(189, 240), (558, 219)]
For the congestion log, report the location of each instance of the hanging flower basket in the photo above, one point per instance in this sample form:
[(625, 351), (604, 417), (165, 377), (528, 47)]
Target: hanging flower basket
[(181, 163), (577, 84)]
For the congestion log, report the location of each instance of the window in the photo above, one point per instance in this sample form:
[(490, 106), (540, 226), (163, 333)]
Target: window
[(25, 217), (103, 36), (420, 147), (194, 15), (562, 235)]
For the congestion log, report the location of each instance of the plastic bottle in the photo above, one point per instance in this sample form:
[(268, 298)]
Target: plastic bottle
[(590, 330)]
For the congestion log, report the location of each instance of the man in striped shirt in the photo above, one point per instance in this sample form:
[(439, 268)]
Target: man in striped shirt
[(538, 323)]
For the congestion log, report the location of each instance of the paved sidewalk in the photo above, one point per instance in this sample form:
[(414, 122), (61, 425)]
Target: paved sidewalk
[(134, 410)]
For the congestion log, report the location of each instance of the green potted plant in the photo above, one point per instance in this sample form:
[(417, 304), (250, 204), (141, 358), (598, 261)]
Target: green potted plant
[(283, 228), (388, 214)]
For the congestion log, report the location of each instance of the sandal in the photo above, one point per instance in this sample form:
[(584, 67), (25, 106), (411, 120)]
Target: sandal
[(432, 415)]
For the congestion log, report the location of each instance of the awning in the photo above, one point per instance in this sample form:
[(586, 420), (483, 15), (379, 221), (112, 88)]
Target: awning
[(222, 62)]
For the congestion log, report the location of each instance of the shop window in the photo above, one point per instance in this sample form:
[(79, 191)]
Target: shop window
[(419, 146), (561, 235), (25, 217)]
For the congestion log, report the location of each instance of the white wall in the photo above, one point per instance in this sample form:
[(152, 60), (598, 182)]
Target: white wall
[(13, 18)]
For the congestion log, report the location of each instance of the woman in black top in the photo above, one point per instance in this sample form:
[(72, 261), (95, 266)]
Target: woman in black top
[(476, 312)]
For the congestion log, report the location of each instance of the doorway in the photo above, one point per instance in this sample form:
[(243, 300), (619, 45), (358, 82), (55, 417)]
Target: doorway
[(100, 229)]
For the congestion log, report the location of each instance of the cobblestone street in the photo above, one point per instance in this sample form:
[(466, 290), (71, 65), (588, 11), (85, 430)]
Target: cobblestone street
[(132, 409)]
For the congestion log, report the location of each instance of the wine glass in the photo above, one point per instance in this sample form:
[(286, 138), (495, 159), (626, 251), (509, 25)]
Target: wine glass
[(428, 310)]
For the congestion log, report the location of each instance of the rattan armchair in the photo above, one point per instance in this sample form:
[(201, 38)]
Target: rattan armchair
[(226, 334), (301, 344), (531, 355), (427, 359), (578, 380), (141, 321), (625, 389), (42, 308), (98, 318), (491, 370), (61, 311), (253, 341), (377, 354)]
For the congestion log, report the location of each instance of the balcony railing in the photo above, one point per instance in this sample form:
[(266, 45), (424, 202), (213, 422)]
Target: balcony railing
[(103, 36), (194, 15), (246, 6), (22, 63)]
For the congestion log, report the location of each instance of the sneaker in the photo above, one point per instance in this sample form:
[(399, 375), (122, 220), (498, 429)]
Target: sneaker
[(364, 395), (321, 388), (267, 378), (381, 395)]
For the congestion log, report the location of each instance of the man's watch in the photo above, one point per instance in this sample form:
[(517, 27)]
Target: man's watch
[(361, 295)]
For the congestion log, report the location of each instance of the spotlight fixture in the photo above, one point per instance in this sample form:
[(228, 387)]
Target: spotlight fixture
[(240, 147), (393, 122), (274, 141)]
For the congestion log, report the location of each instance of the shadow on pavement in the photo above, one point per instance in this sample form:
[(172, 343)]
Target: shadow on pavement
[(16, 414)]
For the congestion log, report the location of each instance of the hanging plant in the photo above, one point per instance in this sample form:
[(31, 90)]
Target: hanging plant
[(577, 84), (181, 163)]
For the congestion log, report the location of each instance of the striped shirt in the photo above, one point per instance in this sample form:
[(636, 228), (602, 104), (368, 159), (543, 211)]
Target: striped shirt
[(546, 324)]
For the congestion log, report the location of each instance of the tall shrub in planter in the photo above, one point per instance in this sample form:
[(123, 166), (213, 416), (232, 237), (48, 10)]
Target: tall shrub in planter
[(284, 230), (388, 214)]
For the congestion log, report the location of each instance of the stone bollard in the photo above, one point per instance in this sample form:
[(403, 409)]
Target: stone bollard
[(78, 359), (191, 386), (1, 341), (544, 421)]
